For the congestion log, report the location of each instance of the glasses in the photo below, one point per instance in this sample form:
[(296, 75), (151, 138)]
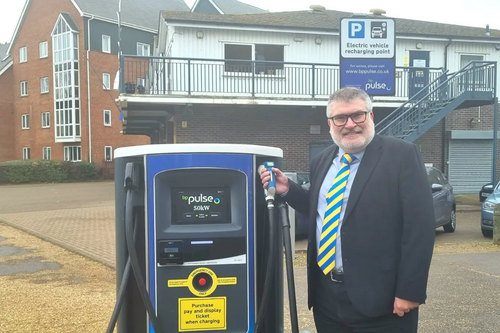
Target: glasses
[(357, 117)]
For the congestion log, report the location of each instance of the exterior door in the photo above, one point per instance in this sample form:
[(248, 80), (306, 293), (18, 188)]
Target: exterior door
[(470, 164), (418, 75)]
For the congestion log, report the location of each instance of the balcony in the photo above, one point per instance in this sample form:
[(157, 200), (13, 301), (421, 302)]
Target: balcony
[(246, 79)]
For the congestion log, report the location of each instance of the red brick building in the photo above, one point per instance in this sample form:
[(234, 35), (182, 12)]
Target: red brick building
[(6, 107), (57, 96)]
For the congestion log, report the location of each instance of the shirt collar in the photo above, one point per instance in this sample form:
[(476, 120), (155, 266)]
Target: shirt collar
[(358, 155)]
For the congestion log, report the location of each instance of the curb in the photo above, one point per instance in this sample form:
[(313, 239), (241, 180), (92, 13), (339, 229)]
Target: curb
[(467, 210)]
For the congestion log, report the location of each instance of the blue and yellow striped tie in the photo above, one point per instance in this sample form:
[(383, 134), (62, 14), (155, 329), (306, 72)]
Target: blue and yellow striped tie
[(326, 253)]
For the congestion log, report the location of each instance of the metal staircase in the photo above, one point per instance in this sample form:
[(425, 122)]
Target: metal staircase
[(473, 85)]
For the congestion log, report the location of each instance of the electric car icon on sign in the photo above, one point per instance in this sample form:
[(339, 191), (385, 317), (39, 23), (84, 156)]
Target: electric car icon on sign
[(377, 32)]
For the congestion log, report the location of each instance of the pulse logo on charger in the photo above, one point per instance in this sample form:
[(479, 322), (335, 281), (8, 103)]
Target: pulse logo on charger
[(200, 199), (201, 205)]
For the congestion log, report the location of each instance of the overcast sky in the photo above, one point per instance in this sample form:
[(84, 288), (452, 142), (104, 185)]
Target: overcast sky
[(476, 13)]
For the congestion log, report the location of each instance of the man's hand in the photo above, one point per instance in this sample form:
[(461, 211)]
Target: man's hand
[(402, 306), (281, 180)]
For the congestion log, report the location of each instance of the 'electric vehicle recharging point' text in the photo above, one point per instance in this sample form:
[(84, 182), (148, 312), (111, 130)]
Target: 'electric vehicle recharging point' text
[(195, 248)]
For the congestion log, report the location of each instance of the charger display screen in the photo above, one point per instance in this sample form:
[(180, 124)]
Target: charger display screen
[(201, 205)]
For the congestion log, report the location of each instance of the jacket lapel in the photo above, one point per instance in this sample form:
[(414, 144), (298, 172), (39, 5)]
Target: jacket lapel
[(366, 167)]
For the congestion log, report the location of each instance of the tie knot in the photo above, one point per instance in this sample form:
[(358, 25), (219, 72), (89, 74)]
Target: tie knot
[(348, 158)]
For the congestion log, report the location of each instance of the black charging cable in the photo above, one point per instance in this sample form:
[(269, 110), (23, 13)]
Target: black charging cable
[(283, 212), (131, 184), (270, 268), (120, 297)]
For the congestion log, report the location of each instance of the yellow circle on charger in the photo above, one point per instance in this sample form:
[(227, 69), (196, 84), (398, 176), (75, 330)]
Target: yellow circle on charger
[(207, 292)]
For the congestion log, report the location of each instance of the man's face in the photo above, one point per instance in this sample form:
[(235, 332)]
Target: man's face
[(352, 137)]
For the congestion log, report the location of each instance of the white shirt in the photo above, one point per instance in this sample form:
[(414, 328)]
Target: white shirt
[(325, 187)]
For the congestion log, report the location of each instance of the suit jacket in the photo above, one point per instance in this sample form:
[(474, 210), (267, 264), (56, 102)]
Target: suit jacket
[(388, 228)]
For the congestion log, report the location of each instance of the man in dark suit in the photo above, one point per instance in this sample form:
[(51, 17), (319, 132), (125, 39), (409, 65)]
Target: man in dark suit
[(372, 227)]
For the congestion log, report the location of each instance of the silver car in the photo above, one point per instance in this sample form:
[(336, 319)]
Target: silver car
[(444, 200), (487, 210)]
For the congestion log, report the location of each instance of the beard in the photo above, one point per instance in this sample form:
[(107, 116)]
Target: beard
[(353, 140)]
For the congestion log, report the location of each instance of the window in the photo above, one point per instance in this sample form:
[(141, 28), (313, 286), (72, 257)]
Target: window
[(23, 54), (466, 58), (143, 49), (24, 88), (46, 120), (73, 153), (476, 76), (107, 117), (44, 85), (441, 178), (66, 83), (241, 52), (432, 176), (106, 44), (106, 81), (25, 121), (108, 153), (269, 53), (44, 50), (47, 153), (257, 52), (26, 153)]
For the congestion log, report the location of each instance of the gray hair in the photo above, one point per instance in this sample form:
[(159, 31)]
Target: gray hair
[(348, 94)]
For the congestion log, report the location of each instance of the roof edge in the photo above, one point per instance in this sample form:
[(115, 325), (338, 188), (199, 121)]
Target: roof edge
[(9, 65), (123, 24), (216, 7), (201, 23), (194, 6), (19, 22), (189, 22), (77, 7), (455, 38)]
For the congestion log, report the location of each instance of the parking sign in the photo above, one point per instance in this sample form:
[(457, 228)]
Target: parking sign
[(356, 29), (368, 54)]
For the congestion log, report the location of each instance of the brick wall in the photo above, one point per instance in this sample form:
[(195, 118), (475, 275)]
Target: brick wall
[(431, 145), (105, 100), (6, 116), (461, 119), (37, 27), (482, 121), (287, 128)]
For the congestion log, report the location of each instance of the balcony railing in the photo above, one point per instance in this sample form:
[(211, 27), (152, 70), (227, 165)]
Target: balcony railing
[(246, 78)]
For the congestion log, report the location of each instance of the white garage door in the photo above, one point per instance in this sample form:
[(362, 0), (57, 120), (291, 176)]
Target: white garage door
[(470, 164)]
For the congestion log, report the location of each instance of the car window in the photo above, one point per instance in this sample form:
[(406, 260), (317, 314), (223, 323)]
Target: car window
[(431, 175), (440, 177), (302, 178)]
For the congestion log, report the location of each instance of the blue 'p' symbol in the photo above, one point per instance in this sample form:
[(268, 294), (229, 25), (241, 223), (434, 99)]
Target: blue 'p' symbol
[(356, 29)]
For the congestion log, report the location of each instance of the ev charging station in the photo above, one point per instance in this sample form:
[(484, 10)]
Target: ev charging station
[(198, 246)]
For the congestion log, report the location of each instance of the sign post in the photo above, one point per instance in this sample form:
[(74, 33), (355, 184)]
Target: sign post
[(368, 54)]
